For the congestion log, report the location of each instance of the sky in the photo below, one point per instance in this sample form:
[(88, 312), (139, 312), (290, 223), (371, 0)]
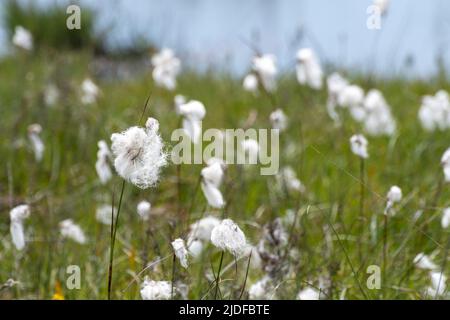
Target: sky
[(221, 33)]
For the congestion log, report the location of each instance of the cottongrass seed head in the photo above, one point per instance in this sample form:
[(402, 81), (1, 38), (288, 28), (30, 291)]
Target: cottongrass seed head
[(103, 214), (181, 252), (228, 236), (156, 290), (212, 176), (358, 145), (102, 166), (423, 261), (70, 230), (139, 155), (34, 131), (144, 209), (279, 120), (18, 215), (22, 38)]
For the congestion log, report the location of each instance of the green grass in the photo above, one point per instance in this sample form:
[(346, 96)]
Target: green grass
[(65, 185)]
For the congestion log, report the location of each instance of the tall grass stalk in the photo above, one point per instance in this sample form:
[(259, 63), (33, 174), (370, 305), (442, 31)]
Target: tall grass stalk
[(114, 226)]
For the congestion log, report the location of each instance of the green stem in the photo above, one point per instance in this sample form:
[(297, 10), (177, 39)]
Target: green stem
[(113, 239), (218, 275)]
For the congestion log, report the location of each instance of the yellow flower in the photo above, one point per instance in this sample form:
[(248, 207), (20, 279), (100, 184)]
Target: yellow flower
[(58, 295)]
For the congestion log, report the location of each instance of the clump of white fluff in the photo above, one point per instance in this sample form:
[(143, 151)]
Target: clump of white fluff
[(156, 290), (103, 214), (144, 209), (202, 228), (102, 166), (445, 162), (228, 236), (34, 131), (378, 119), (264, 66), (212, 176), (22, 38), (69, 229), (18, 215), (249, 149), (445, 221), (193, 112), (51, 94), (393, 196), (279, 120), (89, 91), (423, 261), (287, 178), (335, 84), (166, 67), (434, 113), (309, 293), (309, 71), (181, 252), (138, 154), (250, 83), (262, 289), (358, 145), (438, 284)]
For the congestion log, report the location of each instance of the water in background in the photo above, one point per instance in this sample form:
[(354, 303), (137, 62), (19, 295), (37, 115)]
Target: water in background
[(208, 33)]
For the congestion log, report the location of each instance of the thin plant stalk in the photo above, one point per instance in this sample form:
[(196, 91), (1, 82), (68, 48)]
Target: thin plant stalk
[(174, 260), (385, 248), (114, 226), (218, 275), (246, 275), (361, 205)]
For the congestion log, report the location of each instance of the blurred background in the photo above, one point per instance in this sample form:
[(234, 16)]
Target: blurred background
[(413, 40)]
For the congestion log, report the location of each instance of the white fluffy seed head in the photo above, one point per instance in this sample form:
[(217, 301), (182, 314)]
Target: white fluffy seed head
[(287, 178), (17, 216), (144, 209), (193, 112), (358, 145), (139, 155), (261, 289), (195, 248), (250, 83), (309, 71), (103, 214), (202, 228), (445, 162), (438, 284), (422, 261), (102, 165), (228, 236), (89, 91), (22, 38), (70, 230), (166, 68), (156, 290), (213, 195), (309, 293), (181, 252), (20, 213), (34, 131), (279, 120), (395, 194), (445, 221), (213, 174), (265, 67)]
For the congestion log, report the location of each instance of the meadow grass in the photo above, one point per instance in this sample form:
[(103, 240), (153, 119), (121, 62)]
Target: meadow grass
[(326, 233)]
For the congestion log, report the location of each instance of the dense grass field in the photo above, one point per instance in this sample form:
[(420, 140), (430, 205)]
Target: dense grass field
[(330, 245)]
